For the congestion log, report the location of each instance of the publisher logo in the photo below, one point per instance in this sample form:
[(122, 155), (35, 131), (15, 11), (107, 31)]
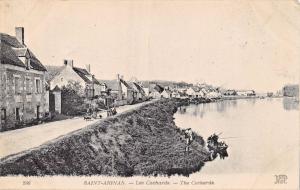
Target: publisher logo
[(281, 179)]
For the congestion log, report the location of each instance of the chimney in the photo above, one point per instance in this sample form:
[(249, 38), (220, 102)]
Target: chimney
[(88, 68), (20, 34), (68, 62), (120, 96)]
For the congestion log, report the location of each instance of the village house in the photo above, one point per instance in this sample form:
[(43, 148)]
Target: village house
[(245, 93), (166, 93), (121, 91), (128, 93), (229, 93), (139, 91), (214, 94), (23, 95), (91, 86), (177, 94), (155, 91)]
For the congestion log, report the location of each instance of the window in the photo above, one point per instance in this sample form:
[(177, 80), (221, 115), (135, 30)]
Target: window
[(17, 85), (28, 88), (3, 115), (4, 82), (37, 85)]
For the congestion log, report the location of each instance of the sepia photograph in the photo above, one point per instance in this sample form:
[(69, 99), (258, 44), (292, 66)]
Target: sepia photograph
[(150, 94)]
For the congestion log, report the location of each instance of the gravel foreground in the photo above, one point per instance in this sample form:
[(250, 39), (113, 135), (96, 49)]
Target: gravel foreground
[(144, 141)]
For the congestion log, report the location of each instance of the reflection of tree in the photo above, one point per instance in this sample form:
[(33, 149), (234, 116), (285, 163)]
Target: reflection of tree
[(224, 105), (221, 106), (290, 104), (251, 101)]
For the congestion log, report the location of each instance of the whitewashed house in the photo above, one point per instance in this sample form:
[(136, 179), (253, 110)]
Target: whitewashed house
[(155, 91), (166, 93), (245, 93), (213, 94), (92, 87)]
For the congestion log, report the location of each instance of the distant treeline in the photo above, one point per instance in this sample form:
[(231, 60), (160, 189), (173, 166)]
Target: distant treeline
[(164, 83)]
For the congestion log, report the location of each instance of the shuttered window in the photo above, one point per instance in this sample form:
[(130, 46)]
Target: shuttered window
[(28, 87), (17, 85), (38, 86)]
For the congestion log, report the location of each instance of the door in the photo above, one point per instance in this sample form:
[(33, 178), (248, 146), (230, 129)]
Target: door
[(17, 114), (52, 102)]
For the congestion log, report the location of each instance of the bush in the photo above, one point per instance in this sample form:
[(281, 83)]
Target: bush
[(72, 98)]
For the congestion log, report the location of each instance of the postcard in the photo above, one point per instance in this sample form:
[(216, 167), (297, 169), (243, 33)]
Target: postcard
[(151, 94)]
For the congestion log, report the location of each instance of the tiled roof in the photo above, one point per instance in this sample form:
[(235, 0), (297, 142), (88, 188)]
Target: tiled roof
[(125, 83), (158, 88), (196, 88), (53, 71), (111, 84), (140, 89), (95, 81), (168, 91), (8, 56), (11, 48), (82, 73)]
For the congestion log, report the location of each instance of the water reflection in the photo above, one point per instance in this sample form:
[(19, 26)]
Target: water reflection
[(200, 109), (290, 103), (257, 126)]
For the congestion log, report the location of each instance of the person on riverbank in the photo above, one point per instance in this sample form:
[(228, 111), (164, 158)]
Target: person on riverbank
[(189, 137)]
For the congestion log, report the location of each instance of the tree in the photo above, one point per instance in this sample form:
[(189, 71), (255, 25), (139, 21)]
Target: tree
[(72, 96)]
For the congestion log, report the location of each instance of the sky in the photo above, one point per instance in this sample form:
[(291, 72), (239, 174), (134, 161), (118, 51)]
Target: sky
[(233, 44)]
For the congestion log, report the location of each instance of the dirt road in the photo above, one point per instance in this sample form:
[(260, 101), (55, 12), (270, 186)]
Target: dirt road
[(15, 141)]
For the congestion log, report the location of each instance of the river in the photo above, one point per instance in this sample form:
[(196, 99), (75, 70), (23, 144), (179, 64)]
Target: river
[(262, 134)]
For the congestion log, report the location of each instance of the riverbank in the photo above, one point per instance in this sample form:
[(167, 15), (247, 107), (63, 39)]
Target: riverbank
[(144, 141)]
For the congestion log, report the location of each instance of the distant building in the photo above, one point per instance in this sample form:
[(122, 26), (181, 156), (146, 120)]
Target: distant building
[(213, 94), (121, 91), (166, 93), (23, 94), (193, 91), (140, 93), (155, 91), (229, 93), (291, 90), (196, 92), (245, 93), (128, 92)]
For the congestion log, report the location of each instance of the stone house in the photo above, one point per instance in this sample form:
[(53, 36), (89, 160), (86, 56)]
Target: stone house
[(23, 95)]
